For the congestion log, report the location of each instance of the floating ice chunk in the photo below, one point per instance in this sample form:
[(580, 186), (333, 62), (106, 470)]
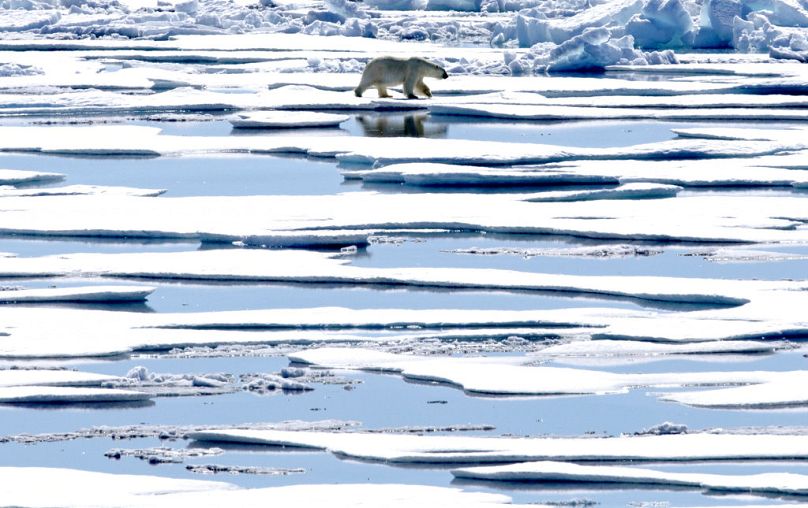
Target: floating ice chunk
[(501, 377), (18, 177), (80, 190), (546, 471), (106, 294), (479, 450), (788, 391), (67, 395), (627, 191), (286, 120)]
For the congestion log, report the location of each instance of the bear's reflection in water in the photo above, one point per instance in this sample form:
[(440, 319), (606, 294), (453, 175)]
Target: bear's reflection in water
[(413, 125)]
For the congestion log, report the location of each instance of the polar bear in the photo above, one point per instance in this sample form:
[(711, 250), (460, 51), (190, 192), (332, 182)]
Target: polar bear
[(387, 71)]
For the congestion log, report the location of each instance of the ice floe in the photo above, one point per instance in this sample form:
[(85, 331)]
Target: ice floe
[(103, 294), (547, 471), (19, 177), (49, 377), (78, 190), (67, 395), (788, 391), (510, 377), (478, 450), (287, 120), (44, 386)]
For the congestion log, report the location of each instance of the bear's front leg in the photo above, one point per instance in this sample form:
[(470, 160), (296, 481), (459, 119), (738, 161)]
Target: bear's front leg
[(382, 91), (421, 87)]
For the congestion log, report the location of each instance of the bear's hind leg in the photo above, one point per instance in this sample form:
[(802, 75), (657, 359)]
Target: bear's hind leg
[(382, 91), (410, 83)]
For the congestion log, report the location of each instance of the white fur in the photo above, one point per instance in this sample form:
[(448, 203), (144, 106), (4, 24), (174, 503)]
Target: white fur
[(389, 71)]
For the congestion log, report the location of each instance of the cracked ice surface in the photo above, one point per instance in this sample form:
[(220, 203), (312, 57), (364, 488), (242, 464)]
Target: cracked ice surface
[(478, 450), (782, 483)]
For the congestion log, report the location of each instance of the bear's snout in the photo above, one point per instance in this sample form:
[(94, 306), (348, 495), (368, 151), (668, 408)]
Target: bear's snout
[(444, 75)]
